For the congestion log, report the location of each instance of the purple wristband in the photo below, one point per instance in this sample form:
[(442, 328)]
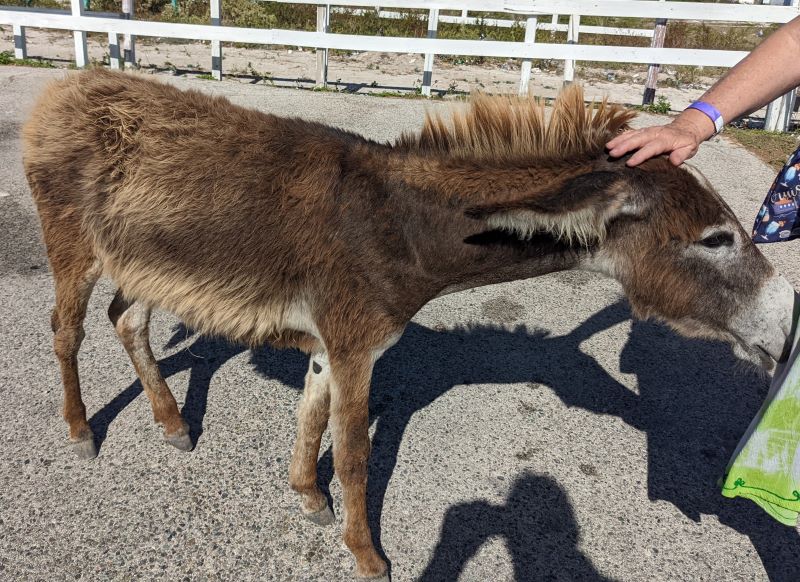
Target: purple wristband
[(712, 112)]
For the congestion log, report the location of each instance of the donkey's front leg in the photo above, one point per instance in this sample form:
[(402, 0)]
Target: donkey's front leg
[(349, 389), (312, 419)]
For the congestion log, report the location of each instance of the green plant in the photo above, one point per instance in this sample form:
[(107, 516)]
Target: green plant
[(8, 58), (662, 106)]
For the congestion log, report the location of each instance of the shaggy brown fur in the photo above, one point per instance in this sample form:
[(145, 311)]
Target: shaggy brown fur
[(261, 228), (503, 129)]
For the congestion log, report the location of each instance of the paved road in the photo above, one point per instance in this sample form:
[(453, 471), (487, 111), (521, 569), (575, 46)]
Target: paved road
[(526, 431)]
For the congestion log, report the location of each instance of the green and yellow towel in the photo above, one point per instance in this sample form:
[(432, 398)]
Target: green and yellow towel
[(766, 465)]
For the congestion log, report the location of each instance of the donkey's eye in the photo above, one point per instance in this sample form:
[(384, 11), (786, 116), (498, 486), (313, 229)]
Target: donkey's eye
[(718, 239)]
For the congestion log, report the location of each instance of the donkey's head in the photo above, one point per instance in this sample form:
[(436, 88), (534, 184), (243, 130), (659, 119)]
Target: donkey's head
[(674, 245), (662, 232)]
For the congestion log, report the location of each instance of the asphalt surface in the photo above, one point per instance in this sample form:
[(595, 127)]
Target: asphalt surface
[(525, 431)]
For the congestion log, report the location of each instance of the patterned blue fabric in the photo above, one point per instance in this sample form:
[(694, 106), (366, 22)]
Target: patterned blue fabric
[(777, 220)]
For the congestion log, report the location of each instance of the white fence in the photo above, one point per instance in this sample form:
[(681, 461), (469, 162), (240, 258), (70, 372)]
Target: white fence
[(80, 22)]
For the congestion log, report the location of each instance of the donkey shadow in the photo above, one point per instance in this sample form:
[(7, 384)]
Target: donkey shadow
[(692, 409)]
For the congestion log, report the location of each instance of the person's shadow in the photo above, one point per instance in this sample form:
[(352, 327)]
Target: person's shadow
[(693, 407), (537, 525)]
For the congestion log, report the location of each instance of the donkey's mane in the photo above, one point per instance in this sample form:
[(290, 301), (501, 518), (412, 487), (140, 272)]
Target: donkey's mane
[(506, 128)]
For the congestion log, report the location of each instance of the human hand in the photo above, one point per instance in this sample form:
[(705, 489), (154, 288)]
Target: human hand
[(680, 139)]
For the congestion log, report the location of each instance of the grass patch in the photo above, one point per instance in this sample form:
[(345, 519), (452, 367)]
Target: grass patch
[(662, 106), (8, 58), (205, 76), (771, 147)]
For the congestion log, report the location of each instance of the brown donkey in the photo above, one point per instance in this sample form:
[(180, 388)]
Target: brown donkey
[(303, 235)]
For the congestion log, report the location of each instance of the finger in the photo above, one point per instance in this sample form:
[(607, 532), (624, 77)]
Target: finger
[(680, 155), (634, 140), (647, 151), (618, 139), (628, 135)]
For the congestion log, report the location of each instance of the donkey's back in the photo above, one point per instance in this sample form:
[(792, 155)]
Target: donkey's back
[(188, 202)]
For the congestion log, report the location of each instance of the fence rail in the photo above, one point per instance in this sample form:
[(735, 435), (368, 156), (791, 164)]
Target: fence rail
[(80, 22)]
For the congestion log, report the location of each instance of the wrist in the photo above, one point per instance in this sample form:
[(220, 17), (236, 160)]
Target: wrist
[(697, 124)]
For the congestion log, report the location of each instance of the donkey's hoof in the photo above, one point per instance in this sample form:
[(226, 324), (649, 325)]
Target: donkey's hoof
[(85, 448), (322, 517), (181, 441)]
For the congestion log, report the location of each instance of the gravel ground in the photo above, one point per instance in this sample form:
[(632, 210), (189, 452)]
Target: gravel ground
[(524, 431)]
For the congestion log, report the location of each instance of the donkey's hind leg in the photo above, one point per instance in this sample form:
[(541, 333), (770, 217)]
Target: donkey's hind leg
[(131, 321), (312, 419), (75, 274)]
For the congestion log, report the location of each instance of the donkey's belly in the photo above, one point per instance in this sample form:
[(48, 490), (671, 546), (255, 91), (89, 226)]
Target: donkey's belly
[(238, 309)]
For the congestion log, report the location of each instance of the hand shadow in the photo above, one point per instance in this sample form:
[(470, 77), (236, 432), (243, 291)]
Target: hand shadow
[(537, 525)]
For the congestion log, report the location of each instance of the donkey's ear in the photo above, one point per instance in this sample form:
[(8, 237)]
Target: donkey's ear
[(576, 210)]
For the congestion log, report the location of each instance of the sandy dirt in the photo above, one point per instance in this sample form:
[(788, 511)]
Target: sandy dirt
[(524, 431)]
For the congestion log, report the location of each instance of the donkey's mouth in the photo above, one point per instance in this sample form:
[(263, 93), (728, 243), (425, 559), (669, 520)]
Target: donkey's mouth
[(767, 360), (753, 355)]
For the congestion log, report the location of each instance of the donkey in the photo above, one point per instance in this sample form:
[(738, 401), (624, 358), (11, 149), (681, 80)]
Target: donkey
[(307, 236)]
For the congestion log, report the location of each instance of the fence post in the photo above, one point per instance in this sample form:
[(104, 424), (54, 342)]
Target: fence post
[(530, 39), (216, 46), (323, 25), (113, 51), (779, 112), (572, 38), (659, 33), (464, 16), (81, 54), (20, 50), (129, 40), (427, 73)]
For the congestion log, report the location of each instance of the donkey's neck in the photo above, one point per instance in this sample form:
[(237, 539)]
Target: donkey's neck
[(450, 251)]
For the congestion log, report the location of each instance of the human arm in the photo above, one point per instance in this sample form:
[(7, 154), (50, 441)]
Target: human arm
[(770, 70)]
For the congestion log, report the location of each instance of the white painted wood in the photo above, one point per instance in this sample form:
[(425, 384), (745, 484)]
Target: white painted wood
[(323, 27), (129, 40), (779, 112), (659, 34), (470, 5), (531, 25), (572, 38), (216, 46), (20, 49), (625, 8), (79, 36), (427, 71), (654, 9), (605, 30), (114, 54), (518, 50)]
